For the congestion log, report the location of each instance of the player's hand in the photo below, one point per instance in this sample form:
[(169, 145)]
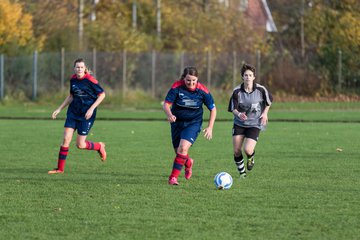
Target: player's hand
[(89, 113), (242, 116), (264, 119), (171, 118), (208, 133), (55, 113)]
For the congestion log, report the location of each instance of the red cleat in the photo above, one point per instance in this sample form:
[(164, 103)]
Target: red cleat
[(173, 181), (188, 168), (55, 171), (102, 151)]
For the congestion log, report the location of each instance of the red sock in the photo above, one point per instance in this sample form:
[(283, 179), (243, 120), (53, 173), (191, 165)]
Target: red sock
[(92, 145), (187, 162), (179, 161), (62, 157)]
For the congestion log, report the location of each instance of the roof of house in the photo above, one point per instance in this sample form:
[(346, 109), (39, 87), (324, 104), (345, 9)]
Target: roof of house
[(257, 11), (270, 24), (259, 14)]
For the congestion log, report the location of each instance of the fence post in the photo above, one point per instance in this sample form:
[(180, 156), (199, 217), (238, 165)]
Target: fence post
[(124, 73), (181, 62), (62, 71), (94, 61), (153, 75), (258, 66), (2, 76), (234, 69), (34, 83), (339, 70), (209, 68)]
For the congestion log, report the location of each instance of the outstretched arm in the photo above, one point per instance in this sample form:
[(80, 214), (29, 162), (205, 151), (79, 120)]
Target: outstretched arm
[(66, 102)]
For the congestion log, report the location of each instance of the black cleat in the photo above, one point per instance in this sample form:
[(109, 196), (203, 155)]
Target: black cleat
[(250, 163)]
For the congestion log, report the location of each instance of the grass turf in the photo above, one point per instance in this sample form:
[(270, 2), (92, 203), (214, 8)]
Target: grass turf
[(303, 186), (290, 111)]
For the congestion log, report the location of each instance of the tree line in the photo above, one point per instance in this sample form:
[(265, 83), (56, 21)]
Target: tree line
[(311, 33)]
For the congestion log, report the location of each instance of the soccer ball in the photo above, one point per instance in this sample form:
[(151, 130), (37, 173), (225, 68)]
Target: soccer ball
[(223, 180)]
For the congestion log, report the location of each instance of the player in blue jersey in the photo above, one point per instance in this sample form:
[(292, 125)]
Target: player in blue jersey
[(184, 111), (85, 95), (250, 104)]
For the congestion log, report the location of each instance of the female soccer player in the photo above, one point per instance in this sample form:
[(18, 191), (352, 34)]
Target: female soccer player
[(186, 98), (250, 104), (85, 95)]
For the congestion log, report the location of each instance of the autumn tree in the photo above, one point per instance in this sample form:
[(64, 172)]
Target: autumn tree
[(333, 29), (113, 31), (55, 21), (16, 29)]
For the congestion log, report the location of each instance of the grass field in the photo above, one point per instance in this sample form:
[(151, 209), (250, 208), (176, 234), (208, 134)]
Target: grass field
[(305, 184)]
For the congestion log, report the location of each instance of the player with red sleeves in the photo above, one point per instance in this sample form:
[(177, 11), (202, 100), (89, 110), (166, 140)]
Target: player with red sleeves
[(184, 111), (85, 95)]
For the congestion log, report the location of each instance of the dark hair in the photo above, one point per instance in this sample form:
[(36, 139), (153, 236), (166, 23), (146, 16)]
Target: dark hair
[(247, 66), (81, 60), (78, 60), (191, 71)]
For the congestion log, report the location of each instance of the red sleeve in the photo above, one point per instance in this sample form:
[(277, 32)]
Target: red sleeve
[(91, 78)]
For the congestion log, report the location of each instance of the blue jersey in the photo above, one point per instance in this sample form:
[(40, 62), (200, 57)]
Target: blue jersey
[(85, 92), (186, 103)]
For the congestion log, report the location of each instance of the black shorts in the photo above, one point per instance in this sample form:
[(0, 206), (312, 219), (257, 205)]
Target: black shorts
[(251, 132)]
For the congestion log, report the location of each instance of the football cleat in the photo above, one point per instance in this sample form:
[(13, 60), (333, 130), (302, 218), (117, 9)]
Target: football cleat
[(55, 171), (250, 163), (188, 168), (173, 181), (102, 151)]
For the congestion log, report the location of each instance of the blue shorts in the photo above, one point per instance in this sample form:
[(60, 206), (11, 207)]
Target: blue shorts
[(184, 130), (82, 127)]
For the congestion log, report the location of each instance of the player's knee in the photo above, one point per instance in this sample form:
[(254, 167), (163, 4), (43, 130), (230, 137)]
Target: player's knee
[(249, 151), (182, 150), (237, 153), (66, 142)]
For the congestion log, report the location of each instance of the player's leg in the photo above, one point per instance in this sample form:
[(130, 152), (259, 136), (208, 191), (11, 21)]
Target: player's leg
[(238, 140), (64, 150), (180, 159), (183, 151), (252, 135), (189, 135), (81, 142)]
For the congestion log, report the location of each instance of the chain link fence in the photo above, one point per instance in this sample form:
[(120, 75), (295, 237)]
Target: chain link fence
[(153, 72)]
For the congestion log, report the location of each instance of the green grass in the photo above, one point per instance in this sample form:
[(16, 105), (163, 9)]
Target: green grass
[(308, 112), (301, 186)]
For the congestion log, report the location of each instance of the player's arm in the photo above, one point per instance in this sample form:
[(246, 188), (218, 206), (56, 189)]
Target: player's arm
[(90, 111), (241, 115), (170, 117), (208, 131), (233, 105), (268, 101), (66, 102), (264, 116)]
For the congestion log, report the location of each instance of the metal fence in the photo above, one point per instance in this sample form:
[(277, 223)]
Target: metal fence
[(152, 72)]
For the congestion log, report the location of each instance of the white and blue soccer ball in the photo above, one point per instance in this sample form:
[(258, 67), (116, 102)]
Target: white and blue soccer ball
[(223, 180)]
